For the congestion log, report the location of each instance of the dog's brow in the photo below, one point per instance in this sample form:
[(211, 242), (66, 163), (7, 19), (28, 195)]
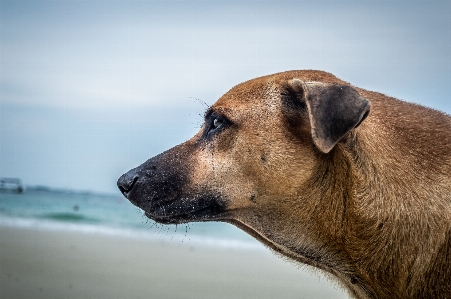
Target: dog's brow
[(208, 113)]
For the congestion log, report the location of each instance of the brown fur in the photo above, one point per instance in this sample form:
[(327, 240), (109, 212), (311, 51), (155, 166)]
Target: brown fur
[(369, 203)]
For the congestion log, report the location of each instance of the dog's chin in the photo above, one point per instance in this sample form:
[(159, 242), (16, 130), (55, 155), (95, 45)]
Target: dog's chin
[(175, 214), (204, 215)]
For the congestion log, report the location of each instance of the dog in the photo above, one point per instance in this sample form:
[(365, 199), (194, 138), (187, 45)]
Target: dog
[(350, 181)]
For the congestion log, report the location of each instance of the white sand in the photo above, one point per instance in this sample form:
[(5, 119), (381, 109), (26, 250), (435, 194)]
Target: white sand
[(51, 264)]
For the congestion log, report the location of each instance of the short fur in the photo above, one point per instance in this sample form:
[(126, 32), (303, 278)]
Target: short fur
[(350, 181)]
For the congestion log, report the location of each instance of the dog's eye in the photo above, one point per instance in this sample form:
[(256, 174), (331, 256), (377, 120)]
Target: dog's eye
[(217, 123)]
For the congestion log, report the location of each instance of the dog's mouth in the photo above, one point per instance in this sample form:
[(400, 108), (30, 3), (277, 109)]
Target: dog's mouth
[(209, 213), (202, 209)]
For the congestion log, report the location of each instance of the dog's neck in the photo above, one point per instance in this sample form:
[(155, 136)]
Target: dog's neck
[(389, 225), (320, 240)]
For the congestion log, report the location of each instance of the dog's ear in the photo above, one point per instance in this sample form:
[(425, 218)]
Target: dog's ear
[(333, 109)]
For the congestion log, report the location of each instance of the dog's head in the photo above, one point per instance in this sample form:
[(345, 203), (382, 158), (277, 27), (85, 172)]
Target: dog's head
[(256, 157)]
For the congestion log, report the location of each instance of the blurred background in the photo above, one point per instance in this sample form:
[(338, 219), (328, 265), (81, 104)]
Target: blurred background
[(90, 89)]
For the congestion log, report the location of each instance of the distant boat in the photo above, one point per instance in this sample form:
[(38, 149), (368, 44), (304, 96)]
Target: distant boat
[(11, 185)]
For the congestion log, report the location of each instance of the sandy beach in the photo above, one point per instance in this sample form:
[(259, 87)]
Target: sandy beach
[(58, 264)]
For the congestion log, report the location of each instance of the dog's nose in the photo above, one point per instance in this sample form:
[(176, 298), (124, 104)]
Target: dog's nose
[(127, 181)]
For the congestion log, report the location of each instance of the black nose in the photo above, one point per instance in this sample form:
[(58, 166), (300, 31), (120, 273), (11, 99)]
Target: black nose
[(127, 181)]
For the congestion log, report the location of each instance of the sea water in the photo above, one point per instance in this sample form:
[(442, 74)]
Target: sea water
[(107, 214)]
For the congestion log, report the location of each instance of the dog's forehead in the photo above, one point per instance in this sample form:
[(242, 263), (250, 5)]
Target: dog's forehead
[(258, 92), (244, 93), (265, 89)]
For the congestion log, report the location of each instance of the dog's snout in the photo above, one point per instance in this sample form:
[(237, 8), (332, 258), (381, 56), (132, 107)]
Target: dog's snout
[(126, 182)]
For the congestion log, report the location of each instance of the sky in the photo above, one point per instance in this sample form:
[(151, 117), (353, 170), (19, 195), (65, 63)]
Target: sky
[(91, 89)]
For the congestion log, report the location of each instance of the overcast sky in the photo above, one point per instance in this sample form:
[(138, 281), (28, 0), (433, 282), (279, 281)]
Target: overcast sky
[(90, 89)]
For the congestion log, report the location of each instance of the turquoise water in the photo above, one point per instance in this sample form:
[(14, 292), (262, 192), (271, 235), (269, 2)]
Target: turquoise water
[(44, 208)]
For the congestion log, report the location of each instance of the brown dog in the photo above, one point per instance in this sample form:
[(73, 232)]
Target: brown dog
[(350, 181)]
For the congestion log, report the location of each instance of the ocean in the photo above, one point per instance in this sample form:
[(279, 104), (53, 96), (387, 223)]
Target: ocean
[(92, 213)]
